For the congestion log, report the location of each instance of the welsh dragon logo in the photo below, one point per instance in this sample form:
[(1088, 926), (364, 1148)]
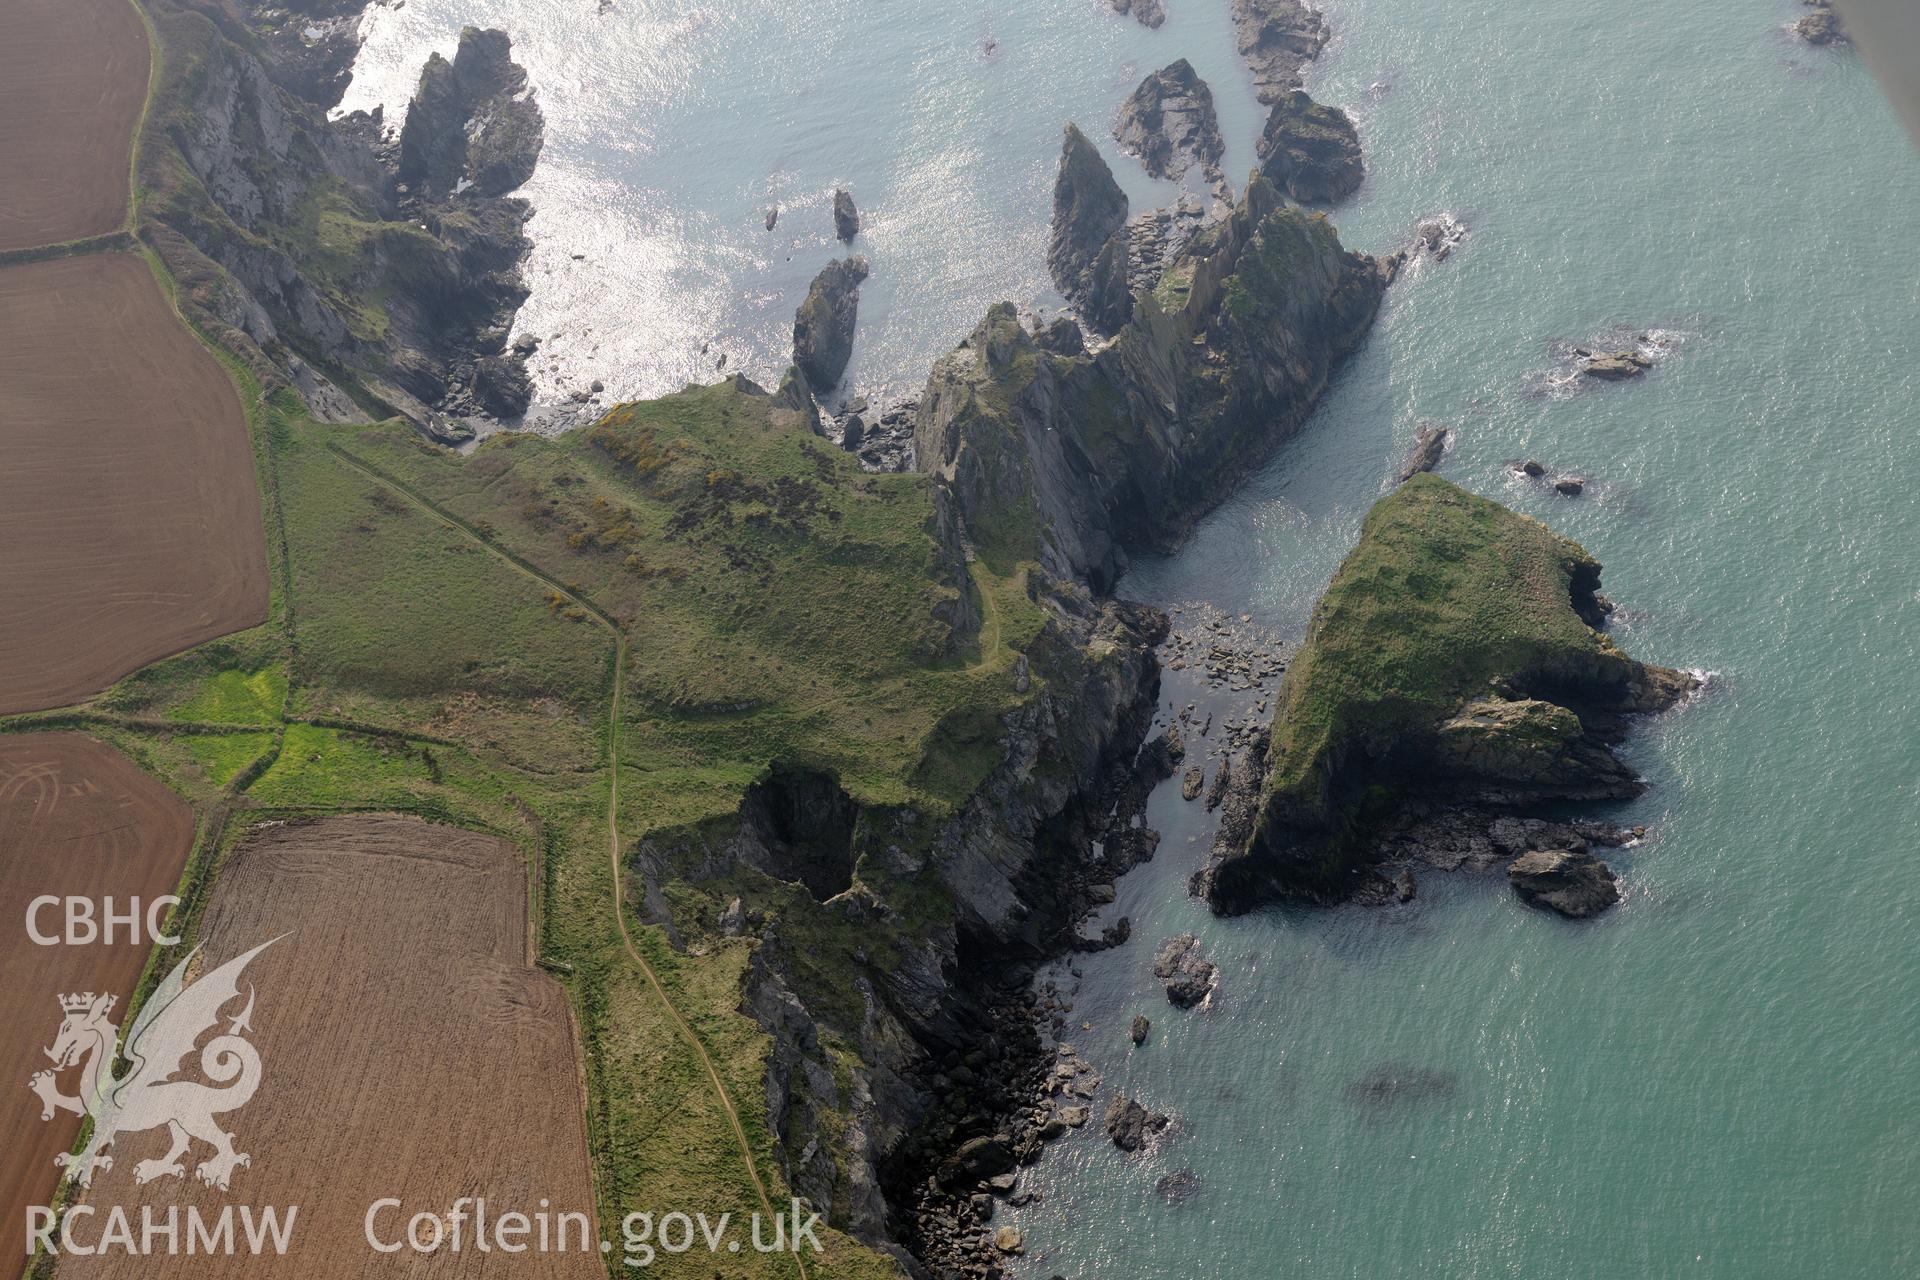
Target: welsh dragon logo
[(163, 1037)]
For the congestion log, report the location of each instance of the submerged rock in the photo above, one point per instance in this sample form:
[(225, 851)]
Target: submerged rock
[(1310, 150), (1178, 1187), (1169, 123), (846, 218), (1086, 253), (1130, 1125), (1277, 38), (823, 328), (1570, 881), (1149, 13), (1184, 967)]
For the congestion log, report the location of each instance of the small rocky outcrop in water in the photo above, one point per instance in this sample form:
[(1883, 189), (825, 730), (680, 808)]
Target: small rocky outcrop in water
[(823, 327), (1572, 882), (1310, 150), (1149, 13), (1454, 659), (1428, 448), (1169, 123), (1277, 38), (1184, 967), (1822, 26), (1087, 252), (846, 218), (1130, 1125), (1138, 1031), (1612, 366)]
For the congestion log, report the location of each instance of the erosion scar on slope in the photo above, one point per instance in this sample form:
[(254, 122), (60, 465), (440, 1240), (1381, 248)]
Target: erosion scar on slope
[(76, 818), (129, 506), (73, 77)]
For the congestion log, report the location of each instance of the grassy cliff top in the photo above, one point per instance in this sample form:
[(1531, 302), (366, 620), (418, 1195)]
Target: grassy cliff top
[(1447, 597)]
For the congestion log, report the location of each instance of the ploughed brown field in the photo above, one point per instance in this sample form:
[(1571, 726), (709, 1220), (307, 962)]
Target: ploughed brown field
[(408, 1049), (129, 509), (73, 75), (76, 818)]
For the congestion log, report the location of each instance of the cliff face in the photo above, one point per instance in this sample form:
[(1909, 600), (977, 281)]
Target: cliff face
[(1071, 459), (370, 277), (1453, 657)]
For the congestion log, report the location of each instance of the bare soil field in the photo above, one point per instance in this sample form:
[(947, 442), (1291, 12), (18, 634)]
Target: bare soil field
[(73, 76), (129, 507), (76, 817), (408, 1050)]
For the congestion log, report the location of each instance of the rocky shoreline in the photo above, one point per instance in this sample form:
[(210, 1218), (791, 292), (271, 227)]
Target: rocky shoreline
[(375, 273)]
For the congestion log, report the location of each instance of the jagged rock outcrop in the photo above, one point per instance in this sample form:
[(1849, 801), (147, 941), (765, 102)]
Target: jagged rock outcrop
[(1071, 459), (293, 240), (1454, 659), (1822, 26), (1184, 968), (1149, 13), (1169, 123), (1429, 446), (1277, 38), (1571, 882), (846, 218), (1087, 251), (1130, 1125), (1310, 150), (824, 326)]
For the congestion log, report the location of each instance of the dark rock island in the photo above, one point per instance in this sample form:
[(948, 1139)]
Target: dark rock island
[(1454, 658)]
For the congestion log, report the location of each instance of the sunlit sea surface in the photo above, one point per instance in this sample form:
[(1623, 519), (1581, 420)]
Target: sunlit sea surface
[(1719, 1078)]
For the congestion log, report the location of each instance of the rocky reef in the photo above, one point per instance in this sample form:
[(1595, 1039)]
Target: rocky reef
[(1455, 659), (1310, 151), (373, 275), (1148, 13), (1087, 252), (823, 328), (1070, 459), (1170, 124), (1822, 26), (1277, 38)]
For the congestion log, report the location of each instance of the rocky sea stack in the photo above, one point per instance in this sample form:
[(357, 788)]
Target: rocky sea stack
[(1311, 151), (1170, 124), (823, 328), (1087, 253), (1277, 38), (1453, 659)]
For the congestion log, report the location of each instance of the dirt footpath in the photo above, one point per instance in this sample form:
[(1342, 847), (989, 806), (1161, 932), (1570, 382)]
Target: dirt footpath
[(73, 76), (76, 818), (129, 507)]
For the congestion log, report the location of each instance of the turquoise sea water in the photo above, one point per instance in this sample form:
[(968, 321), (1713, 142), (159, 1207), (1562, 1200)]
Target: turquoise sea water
[(1717, 1079)]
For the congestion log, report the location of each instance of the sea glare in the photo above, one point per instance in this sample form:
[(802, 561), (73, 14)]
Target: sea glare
[(1720, 1077)]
